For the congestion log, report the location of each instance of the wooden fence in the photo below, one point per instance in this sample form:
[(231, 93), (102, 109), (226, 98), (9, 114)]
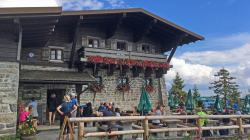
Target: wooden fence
[(240, 126)]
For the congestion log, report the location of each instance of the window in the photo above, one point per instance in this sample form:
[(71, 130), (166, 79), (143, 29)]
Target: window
[(56, 54), (98, 80), (93, 43), (146, 48), (121, 46), (123, 81)]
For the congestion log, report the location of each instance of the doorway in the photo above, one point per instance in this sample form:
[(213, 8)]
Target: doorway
[(59, 99)]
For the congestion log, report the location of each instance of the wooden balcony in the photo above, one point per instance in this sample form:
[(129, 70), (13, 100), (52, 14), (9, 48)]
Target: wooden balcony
[(103, 52)]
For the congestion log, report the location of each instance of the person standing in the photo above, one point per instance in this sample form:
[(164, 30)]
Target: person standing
[(34, 113), (66, 109), (74, 102), (52, 103)]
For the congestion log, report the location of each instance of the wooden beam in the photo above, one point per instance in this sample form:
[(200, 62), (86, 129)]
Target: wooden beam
[(175, 45), (19, 42), (111, 31), (73, 48), (145, 31)]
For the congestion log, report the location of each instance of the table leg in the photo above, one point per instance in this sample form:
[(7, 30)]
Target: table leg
[(127, 126), (173, 133)]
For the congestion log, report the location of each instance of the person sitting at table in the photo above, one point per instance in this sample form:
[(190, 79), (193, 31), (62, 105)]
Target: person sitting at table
[(158, 112), (117, 112), (87, 110), (111, 124), (101, 107), (82, 109), (225, 122)]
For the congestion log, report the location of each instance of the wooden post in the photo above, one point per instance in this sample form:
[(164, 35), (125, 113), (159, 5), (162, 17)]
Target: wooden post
[(241, 130), (199, 128), (70, 130), (146, 129), (63, 127), (80, 130)]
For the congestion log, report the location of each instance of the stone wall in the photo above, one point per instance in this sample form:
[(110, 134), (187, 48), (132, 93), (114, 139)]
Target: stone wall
[(9, 79), (131, 98)]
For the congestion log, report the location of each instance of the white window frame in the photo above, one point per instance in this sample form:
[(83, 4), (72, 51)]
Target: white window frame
[(124, 41), (150, 48), (94, 38), (56, 48)]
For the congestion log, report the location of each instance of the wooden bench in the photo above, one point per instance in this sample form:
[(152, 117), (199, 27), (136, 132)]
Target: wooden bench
[(106, 128), (137, 127), (158, 134)]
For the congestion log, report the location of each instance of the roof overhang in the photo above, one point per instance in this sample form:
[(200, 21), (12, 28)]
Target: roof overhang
[(132, 10), (55, 77)]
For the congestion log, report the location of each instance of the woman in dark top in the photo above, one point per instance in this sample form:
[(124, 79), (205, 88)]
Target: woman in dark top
[(88, 111), (52, 108)]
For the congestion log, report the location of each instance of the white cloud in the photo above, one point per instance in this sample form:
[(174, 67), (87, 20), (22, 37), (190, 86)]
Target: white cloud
[(199, 67), (222, 58), (29, 3), (82, 4), (116, 3), (192, 74)]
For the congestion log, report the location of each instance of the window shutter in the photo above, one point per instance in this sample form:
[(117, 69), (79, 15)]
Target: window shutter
[(102, 43), (130, 46), (45, 54), (113, 44), (84, 42)]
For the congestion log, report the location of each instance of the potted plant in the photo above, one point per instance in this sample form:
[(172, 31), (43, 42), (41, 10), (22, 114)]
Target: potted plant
[(26, 130)]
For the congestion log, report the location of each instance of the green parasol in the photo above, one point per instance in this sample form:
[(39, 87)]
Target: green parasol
[(217, 104), (189, 101), (144, 105), (246, 106), (171, 103)]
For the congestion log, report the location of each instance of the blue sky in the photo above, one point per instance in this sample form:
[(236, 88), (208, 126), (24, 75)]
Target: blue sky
[(225, 24)]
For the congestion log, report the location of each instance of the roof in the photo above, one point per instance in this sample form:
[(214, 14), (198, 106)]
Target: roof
[(132, 10), (55, 77), (39, 23)]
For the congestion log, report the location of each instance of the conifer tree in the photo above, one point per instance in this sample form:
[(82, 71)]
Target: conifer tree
[(177, 88), (225, 86)]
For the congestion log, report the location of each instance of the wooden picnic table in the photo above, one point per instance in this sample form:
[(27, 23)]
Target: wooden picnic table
[(127, 125), (171, 123)]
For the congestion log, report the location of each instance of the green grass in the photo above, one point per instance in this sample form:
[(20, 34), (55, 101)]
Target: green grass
[(11, 137)]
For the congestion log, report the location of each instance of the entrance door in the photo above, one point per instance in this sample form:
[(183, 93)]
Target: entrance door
[(59, 98)]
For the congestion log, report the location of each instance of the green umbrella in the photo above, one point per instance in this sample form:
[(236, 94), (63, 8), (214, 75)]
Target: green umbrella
[(246, 106), (171, 100), (217, 104), (144, 105), (189, 101)]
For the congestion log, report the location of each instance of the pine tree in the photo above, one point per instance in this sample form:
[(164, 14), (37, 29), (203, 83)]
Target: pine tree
[(177, 88), (225, 86), (196, 93)]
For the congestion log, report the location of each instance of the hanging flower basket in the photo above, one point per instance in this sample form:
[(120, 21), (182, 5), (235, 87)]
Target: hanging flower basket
[(149, 88), (123, 87), (96, 88)]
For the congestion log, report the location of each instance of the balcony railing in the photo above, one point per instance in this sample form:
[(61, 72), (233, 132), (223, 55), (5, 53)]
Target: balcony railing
[(123, 54)]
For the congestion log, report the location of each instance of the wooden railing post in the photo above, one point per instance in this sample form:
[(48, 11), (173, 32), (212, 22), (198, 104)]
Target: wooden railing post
[(199, 132), (80, 130), (62, 128), (241, 130), (146, 129)]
